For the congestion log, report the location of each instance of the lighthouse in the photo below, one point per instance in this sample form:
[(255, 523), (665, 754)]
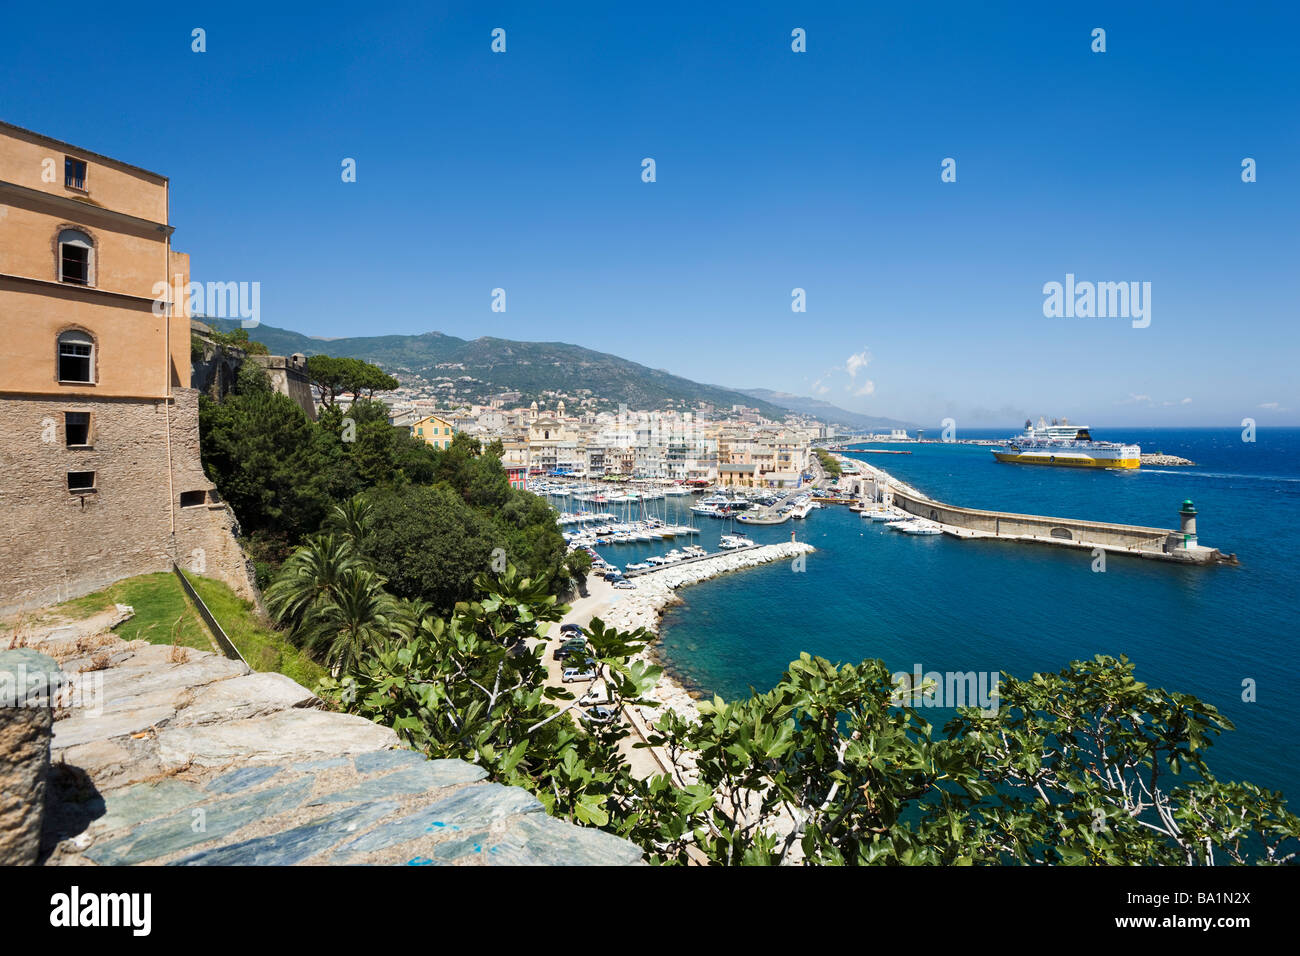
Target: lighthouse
[(1187, 523)]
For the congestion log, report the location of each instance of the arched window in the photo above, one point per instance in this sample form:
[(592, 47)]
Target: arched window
[(76, 357), (76, 257)]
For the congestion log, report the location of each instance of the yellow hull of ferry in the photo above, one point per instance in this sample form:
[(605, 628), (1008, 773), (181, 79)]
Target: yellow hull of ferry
[(1065, 461)]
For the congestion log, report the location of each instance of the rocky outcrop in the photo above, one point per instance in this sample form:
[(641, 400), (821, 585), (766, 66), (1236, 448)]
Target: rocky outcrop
[(163, 755)]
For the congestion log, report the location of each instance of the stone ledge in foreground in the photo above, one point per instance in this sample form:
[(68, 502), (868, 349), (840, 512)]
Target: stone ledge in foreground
[(186, 758)]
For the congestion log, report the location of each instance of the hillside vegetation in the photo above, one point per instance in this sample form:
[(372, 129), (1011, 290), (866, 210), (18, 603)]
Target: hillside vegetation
[(500, 365)]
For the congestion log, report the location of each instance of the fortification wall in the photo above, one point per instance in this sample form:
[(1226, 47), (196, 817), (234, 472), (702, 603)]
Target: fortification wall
[(59, 544)]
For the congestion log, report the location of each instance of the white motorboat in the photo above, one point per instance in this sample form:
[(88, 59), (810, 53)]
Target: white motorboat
[(914, 526)]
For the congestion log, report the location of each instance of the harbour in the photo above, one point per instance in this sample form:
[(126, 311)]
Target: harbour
[(868, 592)]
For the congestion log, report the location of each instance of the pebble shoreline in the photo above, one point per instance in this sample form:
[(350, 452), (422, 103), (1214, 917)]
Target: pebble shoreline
[(656, 590)]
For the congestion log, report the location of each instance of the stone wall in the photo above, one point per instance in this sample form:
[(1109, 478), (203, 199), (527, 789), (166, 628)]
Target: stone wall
[(214, 372), (288, 376), (59, 544), (1056, 530)]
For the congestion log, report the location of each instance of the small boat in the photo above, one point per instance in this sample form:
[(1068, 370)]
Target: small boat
[(921, 527), (914, 526), (729, 542)]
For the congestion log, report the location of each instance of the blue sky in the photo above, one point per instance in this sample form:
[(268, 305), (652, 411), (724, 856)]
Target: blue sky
[(775, 170)]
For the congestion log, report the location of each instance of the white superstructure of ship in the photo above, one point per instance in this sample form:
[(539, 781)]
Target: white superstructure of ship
[(1065, 445)]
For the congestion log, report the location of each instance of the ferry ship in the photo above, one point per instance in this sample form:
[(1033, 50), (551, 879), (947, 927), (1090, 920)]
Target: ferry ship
[(1066, 445)]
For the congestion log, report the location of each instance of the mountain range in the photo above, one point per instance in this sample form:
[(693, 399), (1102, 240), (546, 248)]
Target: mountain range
[(472, 370)]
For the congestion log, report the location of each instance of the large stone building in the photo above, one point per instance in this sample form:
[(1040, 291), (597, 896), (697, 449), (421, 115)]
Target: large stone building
[(100, 475)]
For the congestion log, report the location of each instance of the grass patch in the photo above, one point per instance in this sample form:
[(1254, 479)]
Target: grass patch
[(159, 603), (265, 648)]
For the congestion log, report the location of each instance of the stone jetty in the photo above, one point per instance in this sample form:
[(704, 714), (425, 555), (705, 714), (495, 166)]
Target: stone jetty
[(165, 755), (656, 590)]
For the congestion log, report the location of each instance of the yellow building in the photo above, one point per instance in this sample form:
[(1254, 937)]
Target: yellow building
[(434, 430), (100, 475)]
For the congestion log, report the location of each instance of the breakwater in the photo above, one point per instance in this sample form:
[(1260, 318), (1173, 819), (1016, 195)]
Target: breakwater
[(1162, 544), (656, 590)]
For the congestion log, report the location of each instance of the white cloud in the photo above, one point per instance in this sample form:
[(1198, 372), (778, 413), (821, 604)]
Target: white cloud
[(1272, 406), (867, 388), (857, 362)]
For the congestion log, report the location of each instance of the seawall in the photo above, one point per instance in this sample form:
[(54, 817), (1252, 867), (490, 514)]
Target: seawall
[(1162, 544), (656, 590)]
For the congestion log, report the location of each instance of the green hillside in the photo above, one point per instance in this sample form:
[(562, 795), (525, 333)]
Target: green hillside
[(500, 365)]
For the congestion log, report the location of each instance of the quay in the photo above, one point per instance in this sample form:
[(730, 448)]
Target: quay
[(685, 561), (1161, 544)]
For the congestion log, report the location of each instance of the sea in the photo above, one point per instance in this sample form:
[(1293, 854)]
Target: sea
[(1221, 633)]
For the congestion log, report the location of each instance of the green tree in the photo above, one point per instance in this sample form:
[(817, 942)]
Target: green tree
[(355, 620), (428, 543), (333, 376), (1094, 766), (831, 766), (269, 461), (311, 577), (327, 375), (472, 685)]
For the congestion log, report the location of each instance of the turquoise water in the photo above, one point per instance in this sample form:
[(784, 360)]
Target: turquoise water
[(951, 605)]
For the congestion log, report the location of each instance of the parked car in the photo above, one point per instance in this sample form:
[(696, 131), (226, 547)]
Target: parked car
[(570, 628), (597, 693), (569, 648), (613, 576), (624, 584), (600, 714), (584, 672)]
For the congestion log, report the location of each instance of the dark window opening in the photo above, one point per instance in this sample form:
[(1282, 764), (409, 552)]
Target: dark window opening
[(191, 498), (81, 481), (74, 173), (76, 264), (74, 359), (76, 428)]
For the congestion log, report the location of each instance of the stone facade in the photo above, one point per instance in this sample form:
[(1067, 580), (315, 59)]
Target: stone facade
[(100, 476), (214, 371), (59, 544), (288, 375)]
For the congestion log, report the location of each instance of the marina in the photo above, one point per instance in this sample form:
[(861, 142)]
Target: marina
[(955, 603)]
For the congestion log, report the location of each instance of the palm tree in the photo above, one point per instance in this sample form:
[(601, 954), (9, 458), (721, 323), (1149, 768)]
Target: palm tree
[(310, 578), (351, 519), (358, 616)]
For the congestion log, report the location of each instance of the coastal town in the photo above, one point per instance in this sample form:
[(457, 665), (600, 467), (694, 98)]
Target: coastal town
[(734, 447), (527, 464)]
